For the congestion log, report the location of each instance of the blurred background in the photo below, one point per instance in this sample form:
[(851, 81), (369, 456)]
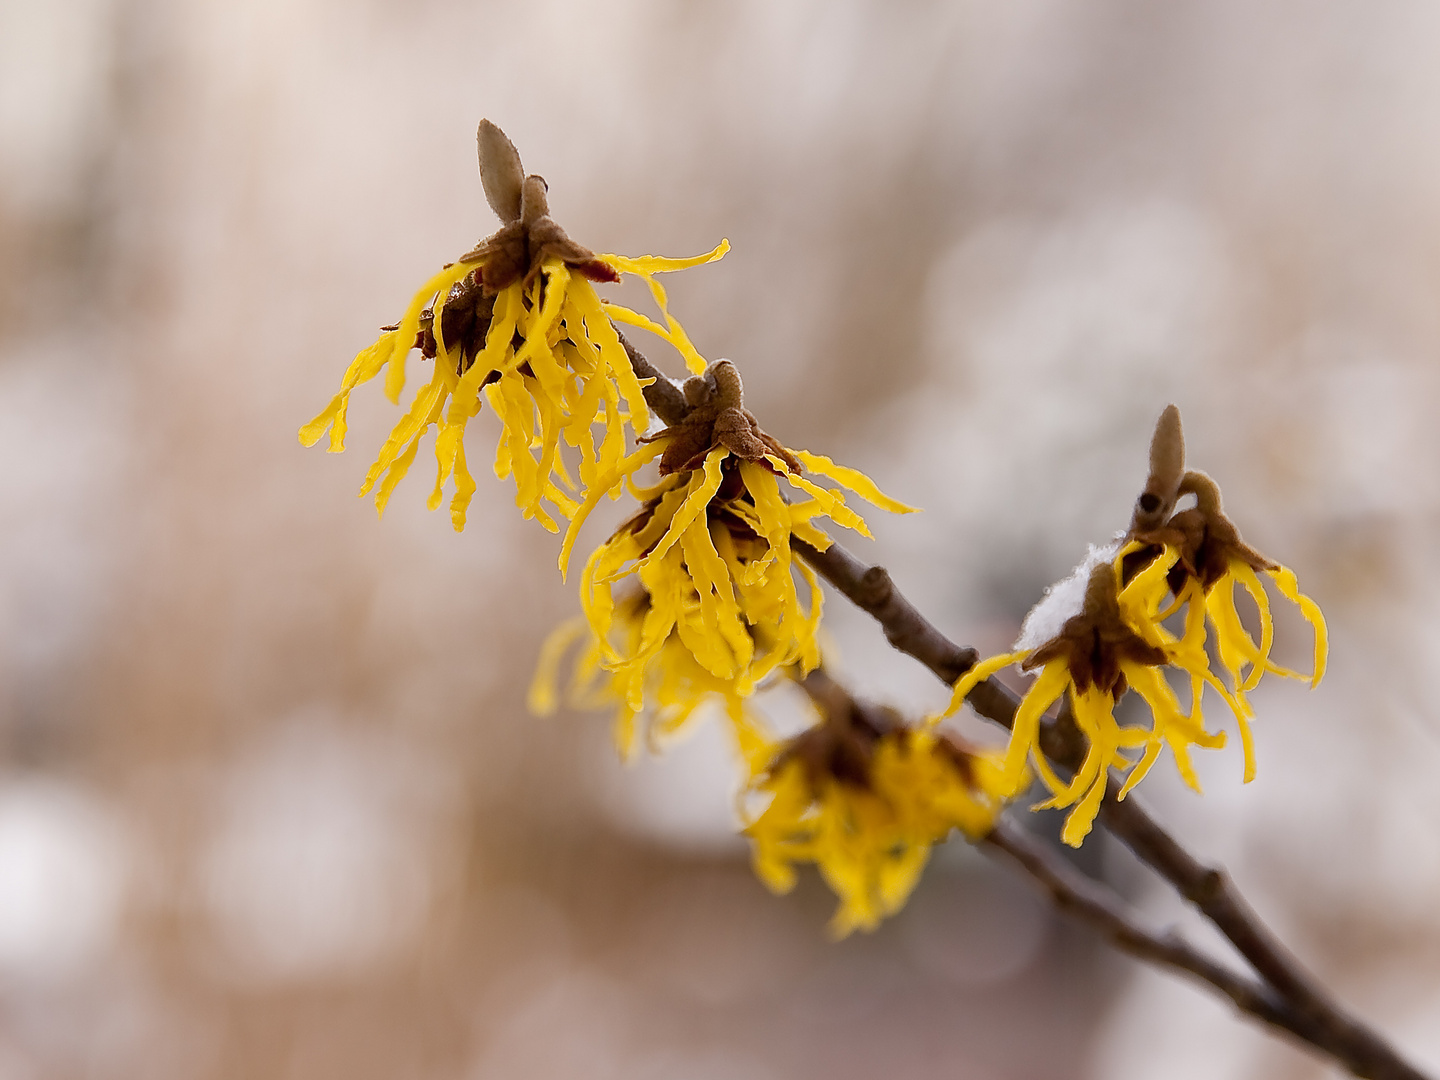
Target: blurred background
[(270, 802)]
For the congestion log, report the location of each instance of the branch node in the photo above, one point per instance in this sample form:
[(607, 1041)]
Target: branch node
[(877, 586), (1208, 889)]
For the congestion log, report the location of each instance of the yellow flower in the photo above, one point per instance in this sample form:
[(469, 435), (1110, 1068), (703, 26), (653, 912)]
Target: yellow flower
[(865, 802), (1197, 557), (1118, 641), (518, 320), (711, 550), (1095, 657)]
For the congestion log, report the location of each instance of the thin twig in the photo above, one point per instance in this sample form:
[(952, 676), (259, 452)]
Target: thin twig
[(871, 589), (1107, 914), (1211, 890)]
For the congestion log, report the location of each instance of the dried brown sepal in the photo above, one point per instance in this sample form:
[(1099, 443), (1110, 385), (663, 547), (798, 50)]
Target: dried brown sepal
[(1093, 643), (717, 417), (1207, 540), (464, 321), (529, 233), (842, 746)]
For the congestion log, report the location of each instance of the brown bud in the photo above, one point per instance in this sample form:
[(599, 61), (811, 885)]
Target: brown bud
[(729, 391), (737, 433), (1167, 467), (533, 202), (698, 390), (1206, 492), (501, 173)]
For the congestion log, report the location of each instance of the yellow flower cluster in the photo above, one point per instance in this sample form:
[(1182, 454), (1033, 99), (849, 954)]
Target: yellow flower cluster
[(533, 337), (699, 596), (713, 606), (717, 567), (869, 830), (698, 588), (1118, 641), (696, 594)]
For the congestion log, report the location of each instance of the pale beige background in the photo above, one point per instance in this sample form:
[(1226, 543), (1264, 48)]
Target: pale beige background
[(271, 805)]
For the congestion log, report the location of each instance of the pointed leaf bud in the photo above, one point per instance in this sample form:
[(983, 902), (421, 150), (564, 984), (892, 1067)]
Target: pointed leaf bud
[(500, 171)]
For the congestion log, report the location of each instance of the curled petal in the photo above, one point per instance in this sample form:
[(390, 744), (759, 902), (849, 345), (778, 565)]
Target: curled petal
[(597, 492), (977, 674), (1025, 736), (1285, 581), (543, 697), (855, 480)]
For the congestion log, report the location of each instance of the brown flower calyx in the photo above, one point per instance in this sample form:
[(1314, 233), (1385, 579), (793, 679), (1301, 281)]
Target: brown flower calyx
[(1206, 540), (1093, 643), (717, 417), (842, 746), (464, 322), (529, 233)]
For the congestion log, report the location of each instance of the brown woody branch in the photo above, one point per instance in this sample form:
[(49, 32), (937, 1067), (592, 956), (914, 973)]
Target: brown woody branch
[(1326, 1025), (871, 589), (1309, 1012), (1105, 912), (1211, 890)]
